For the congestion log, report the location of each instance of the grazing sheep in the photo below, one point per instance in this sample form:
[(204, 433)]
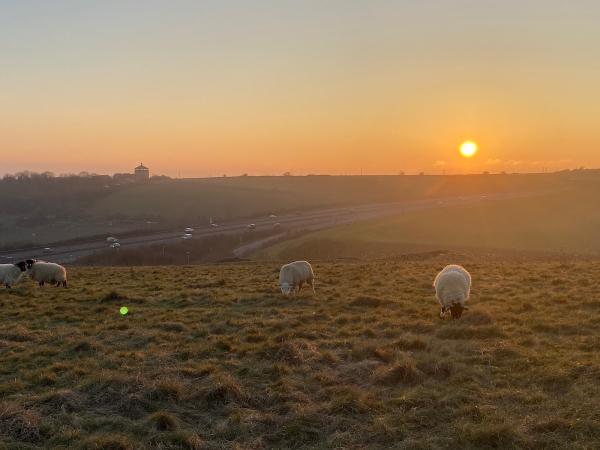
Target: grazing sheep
[(11, 273), (452, 288), (293, 275), (46, 272)]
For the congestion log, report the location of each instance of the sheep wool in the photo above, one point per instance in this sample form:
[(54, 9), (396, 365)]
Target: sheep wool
[(11, 273), (46, 272), (293, 275), (452, 289)]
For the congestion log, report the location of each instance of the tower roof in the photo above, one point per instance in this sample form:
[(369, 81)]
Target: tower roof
[(141, 167)]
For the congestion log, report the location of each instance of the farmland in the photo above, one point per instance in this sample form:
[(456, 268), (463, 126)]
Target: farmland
[(43, 211), (212, 356), (564, 222)]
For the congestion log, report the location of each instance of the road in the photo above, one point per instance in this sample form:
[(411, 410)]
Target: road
[(309, 220)]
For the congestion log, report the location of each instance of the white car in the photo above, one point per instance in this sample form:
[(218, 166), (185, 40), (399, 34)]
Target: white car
[(186, 236), (272, 216), (115, 245), (251, 226), (214, 225), (111, 239), (189, 230), (47, 250)]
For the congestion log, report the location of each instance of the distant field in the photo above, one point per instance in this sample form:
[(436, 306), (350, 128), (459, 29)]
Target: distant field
[(44, 212), (228, 198), (564, 221), (213, 357)]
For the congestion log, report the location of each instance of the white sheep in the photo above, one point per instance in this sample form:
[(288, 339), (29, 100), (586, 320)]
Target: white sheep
[(46, 272), (11, 273), (452, 289), (293, 275)]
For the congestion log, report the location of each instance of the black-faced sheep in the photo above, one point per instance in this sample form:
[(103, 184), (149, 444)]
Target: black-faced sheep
[(46, 272), (452, 289)]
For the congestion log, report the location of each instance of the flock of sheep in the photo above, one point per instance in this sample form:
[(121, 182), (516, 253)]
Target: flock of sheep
[(39, 271), (452, 285)]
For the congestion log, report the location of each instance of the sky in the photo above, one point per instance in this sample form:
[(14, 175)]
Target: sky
[(205, 88)]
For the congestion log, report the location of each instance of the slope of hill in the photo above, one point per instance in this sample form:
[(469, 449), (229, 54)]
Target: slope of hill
[(564, 221), (214, 357), (46, 210), (227, 198)]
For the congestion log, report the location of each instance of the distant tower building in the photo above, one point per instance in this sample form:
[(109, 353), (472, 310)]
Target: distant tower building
[(142, 173)]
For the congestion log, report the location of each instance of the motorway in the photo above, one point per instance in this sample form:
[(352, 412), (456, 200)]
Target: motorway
[(308, 220)]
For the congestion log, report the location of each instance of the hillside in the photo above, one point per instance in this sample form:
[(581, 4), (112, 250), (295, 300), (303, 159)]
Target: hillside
[(227, 198), (44, 210), (565, 221), (213, 357)]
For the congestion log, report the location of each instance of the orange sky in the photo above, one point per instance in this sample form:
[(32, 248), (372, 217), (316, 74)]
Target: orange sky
[(307, 87)]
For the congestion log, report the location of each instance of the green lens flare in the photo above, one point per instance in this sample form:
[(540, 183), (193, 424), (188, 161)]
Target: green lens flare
[(124, 310)]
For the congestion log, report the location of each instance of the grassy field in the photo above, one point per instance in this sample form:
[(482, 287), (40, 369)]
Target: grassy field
[(213, 357), (566, 221)]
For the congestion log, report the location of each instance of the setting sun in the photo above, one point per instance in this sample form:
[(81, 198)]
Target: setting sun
[(468, 149)]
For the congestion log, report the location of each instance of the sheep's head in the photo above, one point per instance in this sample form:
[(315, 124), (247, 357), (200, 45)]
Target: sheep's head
[(22, 265), (456, 310), (286, 288), (30, 263)]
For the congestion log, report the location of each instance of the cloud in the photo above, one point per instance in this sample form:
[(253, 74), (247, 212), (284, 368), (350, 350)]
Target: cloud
[(493, 162), (549, 163)]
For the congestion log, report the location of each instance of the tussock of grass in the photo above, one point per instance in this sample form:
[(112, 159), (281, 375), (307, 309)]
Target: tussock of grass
[(175, 327), (113, 296), (223, 390), (552, 426), (413, 343), (55, 401), (177, 440), (403, 371), (163, 421), (235, 365), (19, 424), (110, 442), (491, 436), (83, 347), (167, 389)]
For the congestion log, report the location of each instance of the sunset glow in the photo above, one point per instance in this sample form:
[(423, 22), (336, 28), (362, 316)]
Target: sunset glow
[(212, 88)]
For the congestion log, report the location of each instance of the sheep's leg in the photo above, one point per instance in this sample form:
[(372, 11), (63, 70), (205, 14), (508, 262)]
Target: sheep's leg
[(7, 285), (312, 285), (64, 283), (442, 313), (41, 283)]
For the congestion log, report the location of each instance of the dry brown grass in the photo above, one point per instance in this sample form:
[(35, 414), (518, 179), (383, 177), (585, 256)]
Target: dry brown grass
[(213, 357)]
